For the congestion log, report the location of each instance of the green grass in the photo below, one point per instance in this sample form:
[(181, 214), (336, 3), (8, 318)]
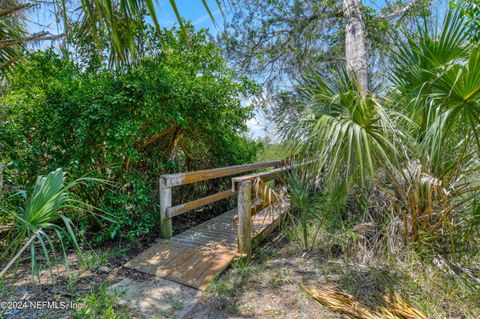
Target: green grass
[(230, 286), (436, 293), (100, 304), (96, 258)]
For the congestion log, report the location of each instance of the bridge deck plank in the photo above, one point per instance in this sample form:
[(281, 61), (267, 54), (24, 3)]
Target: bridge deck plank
[(198, 255)]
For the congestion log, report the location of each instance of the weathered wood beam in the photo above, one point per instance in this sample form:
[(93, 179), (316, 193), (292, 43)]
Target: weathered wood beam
[(166, 230), (269, 175), (172, 180), (244, 227), (183, 208), (265, 176)]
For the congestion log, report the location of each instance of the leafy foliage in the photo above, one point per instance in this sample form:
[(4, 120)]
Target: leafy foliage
[(279, 41), (436, 73), (416, 144), (348, 131), (471, 11), (178, 108), (36, 220), (114, 23)]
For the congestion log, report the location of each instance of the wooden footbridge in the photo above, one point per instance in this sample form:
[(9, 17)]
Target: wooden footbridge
[(198, 255)]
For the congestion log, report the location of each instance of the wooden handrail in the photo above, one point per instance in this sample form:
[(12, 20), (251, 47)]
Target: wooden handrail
[(265, 176), (168, 181), (268, 175), (183, 208), (172, 180)]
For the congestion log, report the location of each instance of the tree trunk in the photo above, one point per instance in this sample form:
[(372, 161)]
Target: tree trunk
[(355, 48), (1, 177)]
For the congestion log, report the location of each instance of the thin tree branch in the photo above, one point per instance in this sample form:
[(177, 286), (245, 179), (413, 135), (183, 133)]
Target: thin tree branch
[(7, 11), (399, 13), (40, 36)]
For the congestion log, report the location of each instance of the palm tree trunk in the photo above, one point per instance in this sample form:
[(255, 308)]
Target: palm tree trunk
[(355, 48)]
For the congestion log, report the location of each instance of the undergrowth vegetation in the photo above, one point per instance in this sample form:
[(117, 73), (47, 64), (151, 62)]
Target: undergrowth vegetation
[(36, 221), (410, 156), (384, 201), (395, 180), (178, 108)]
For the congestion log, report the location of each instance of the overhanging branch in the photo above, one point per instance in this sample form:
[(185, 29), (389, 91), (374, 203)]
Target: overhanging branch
[(399, 13), (40, 36), (7, 11)]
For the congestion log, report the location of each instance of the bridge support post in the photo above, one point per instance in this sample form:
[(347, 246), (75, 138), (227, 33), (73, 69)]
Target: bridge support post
[(244, 226), (166, 230)]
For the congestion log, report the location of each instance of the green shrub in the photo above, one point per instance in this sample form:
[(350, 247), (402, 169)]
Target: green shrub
[(176, 109)]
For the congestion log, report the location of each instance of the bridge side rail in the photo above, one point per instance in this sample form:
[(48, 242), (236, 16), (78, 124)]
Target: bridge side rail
[(168, 181), (244, 186)]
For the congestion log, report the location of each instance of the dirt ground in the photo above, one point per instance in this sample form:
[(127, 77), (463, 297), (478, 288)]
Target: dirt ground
[(269, 287), (104, 267)]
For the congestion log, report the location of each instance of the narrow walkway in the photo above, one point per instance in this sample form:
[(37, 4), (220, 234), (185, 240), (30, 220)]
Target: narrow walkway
[(197, 256)]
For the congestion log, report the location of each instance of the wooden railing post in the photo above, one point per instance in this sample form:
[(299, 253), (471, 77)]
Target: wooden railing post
[(245, 218), (165, 203)]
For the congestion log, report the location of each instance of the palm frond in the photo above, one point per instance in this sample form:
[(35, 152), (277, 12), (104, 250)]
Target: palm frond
[(350, 132), (117, 20), (422, 55), (39, 218), (436, 72)]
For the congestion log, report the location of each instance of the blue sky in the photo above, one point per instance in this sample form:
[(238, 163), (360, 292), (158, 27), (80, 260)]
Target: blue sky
[(192, 10)]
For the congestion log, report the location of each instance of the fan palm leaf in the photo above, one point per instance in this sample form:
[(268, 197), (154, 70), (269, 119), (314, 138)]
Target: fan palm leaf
[(39, 218), (457, 94), (421, 56), (437, 77), (350, 132)]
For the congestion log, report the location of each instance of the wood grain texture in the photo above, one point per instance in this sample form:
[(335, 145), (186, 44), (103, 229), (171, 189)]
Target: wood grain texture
[(269, 175), (198, 255), (204, 175), (194, 204), (165, 197), (245, 218), (264, 176)]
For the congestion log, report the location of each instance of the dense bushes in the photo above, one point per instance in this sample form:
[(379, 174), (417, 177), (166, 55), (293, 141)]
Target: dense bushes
[(409, 155), (178, 108)]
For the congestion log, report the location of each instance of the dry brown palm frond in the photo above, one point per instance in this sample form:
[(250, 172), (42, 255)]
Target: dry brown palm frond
[(340, 302), (392, 306), (400, 308), (426, 201)]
